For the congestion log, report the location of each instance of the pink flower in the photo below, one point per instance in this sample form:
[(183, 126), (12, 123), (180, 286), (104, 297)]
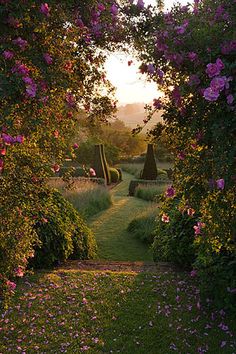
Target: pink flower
[(220, 183), (198, 228), (181, 29), (11, 285), (190, 211), (27, 80), (44, 9), (170, 192), (230, 99), (157, 103), (19, 139), (48, 59), (19, 272), (181, 155), (7, 139), (70, 99), (3, 152), (193, 273), (92, 172), (140, 4), (210, 94), (215, 69), (31, 90), (151, 69), (22, 43), (165, 218), (101, 7), (20, 69), (218, 83), (75, 146), (192, 56), (8, 54), (114, 10), (55, 168)]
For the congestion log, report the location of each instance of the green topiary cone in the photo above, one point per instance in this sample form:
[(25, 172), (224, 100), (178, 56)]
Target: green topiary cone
[(150, 169), (98, 164), (106, 167)]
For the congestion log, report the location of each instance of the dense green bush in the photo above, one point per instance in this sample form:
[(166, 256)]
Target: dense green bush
[(62, 233), (174, 235), (115, 176), (143, 226)]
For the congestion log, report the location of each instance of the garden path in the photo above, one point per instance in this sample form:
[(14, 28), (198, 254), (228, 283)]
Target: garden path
[(109, 226)]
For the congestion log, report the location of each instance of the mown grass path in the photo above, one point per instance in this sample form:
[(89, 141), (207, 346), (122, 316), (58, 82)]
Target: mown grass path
[(109, 226)]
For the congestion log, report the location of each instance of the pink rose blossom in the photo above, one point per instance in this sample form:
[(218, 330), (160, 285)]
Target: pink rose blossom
[(7, 139), (190, 211), (31, 90), (48, 59), (75, 146), (8, 54), (192, 56), (198, 228), (218, 83), (140, 4), (20, 69), (19, 272), (3, 152), (114, 10), (11, 285), (181, 155), (19, 139), (165, 218), (27, 80), (101, 7), (22, 43), (55, 168), (220, 183), (193, 273), (170, 192), (44, 9), (210, 94), (92, 172)]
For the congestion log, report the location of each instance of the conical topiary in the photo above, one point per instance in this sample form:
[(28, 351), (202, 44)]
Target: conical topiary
[(106, 167), (150, 169), (98, 164)]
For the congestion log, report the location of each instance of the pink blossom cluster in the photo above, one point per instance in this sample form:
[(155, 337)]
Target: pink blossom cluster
[(198, 228)]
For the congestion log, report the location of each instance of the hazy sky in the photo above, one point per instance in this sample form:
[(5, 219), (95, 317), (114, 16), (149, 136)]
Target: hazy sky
[(131, 85)]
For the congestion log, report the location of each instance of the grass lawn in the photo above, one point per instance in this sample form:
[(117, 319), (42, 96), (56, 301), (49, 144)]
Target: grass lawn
[(104, 312), (110, 226)]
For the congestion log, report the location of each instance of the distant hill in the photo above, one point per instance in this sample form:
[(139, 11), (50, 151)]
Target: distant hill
[(133, 114)]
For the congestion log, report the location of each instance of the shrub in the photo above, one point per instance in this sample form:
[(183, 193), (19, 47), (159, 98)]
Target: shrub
[(143, 227), (136, 182), (174, 236), (115, 176), (150, 169), (62, 233), (150, 192)]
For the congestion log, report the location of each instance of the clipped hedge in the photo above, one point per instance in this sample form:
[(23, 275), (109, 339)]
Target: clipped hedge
[(62, 233), (120, 174), (136, 182), (115, 177), (105, 164)]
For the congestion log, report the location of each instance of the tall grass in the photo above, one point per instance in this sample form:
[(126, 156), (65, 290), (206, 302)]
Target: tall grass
[(143, 226), (150, 192), (87, 197)]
